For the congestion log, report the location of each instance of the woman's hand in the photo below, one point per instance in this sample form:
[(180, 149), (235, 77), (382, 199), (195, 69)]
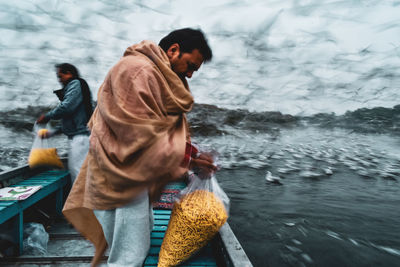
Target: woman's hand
[(42, 119)]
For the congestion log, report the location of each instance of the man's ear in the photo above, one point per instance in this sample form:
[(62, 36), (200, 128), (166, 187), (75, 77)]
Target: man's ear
[(173, 51)]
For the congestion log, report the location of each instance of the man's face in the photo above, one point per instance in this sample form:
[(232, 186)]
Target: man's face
[(184, 64)]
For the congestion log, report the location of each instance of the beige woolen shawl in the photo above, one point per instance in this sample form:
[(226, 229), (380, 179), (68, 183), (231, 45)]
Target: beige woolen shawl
[(138, 138)]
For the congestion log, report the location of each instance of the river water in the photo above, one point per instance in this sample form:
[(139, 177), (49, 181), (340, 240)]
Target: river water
[(305, 91)]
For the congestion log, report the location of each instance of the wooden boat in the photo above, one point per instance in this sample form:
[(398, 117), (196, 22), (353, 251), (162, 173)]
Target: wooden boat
[(66, 247)]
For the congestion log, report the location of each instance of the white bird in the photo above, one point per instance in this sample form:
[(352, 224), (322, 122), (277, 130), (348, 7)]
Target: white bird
[(328, 171), (272, 179)]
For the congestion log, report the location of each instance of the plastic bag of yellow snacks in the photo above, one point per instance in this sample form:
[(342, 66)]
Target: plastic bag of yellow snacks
[(198, 214), (41, 153)]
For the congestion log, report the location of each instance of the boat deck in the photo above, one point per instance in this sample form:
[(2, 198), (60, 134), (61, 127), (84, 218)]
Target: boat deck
[(67, 247)]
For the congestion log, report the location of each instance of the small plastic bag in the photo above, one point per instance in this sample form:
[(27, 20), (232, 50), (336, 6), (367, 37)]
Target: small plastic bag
[(35, 239), (41, 153), (197, 215)]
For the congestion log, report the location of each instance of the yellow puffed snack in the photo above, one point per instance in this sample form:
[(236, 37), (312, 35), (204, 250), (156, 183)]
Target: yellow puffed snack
[(195, 219), (44, 157), (42, 132)]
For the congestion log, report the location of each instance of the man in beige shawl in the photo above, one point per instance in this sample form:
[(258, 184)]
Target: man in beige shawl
[(139, 138)]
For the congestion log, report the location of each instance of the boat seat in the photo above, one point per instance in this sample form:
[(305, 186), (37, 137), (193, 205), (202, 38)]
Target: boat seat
[(52, 181)]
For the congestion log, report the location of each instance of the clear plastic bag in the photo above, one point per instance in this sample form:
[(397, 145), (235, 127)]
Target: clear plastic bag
[(35, 239), (199, 212), (42, 154), (207, 184)]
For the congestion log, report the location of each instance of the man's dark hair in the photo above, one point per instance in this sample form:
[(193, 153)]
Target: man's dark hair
[(188, 40), (86, 94), (66, 67)]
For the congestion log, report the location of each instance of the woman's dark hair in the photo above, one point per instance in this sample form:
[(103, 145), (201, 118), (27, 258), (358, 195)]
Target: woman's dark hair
[(66, 67), (87, 98), (86, 94), (188, 40)]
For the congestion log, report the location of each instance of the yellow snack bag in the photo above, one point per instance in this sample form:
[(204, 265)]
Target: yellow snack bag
[(196, 217), (44, 157), (41, 154)]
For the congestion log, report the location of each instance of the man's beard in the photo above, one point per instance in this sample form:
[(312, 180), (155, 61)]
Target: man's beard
[(182, 76)]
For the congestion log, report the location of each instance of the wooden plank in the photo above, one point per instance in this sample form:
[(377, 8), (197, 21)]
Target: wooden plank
[(234, 250), (161, 222), (35, 178), (156, 211), (6, 203), (27, 183), (35, 181), (159, 228), (156, 242), (154, 250), (157, 235), (13, 176), (161, 217), (175, 185)]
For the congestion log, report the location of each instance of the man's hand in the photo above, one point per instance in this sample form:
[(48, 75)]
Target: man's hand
[(203, 165), (42, 119)]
